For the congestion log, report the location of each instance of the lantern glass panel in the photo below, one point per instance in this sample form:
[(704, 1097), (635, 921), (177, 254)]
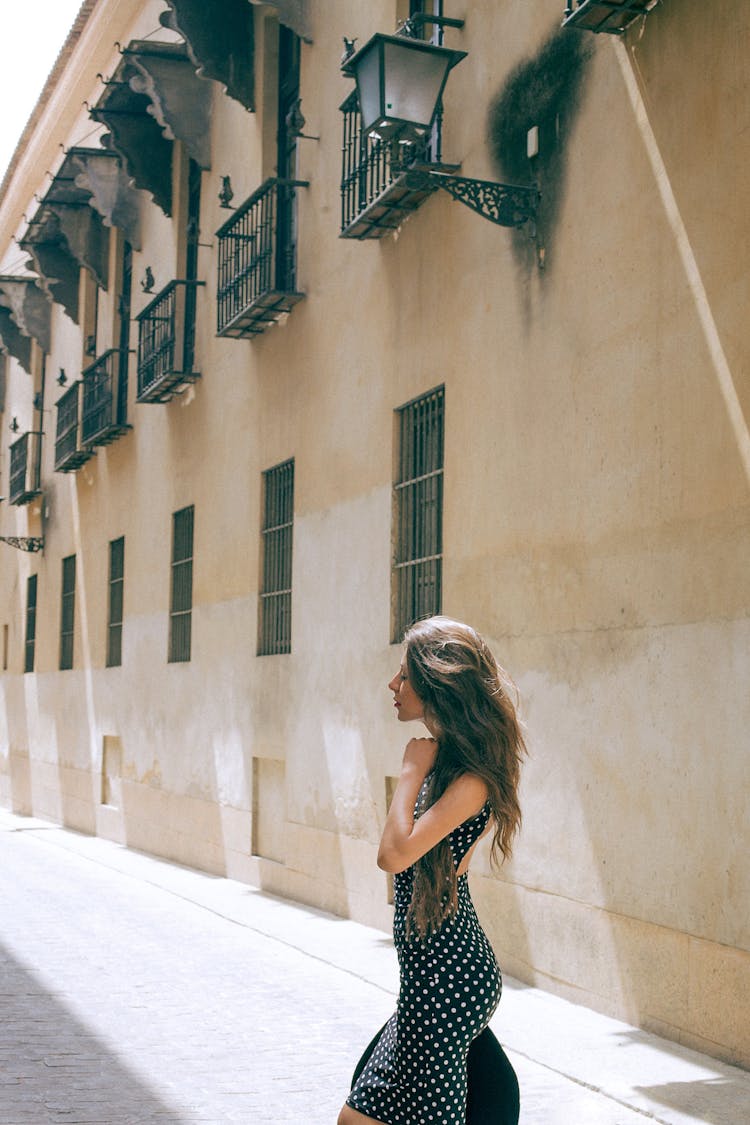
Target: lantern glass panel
[(414, 79), (369, 84)]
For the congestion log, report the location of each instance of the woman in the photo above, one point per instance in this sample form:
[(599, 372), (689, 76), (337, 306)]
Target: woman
[(455, 786)]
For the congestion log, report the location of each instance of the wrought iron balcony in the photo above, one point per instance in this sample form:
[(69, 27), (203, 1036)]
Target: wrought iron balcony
[(105, 398), (25, 468), (258, 261), (612, 16), (70, 452), (376, 196), (166, 343)]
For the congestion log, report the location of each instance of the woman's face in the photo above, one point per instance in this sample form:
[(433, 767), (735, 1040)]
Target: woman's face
[(406, 701)]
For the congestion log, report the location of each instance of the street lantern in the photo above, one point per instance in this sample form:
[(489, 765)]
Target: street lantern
[(399, 82)]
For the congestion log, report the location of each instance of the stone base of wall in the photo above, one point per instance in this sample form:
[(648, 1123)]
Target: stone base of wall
[(15, 783), (681, 987)]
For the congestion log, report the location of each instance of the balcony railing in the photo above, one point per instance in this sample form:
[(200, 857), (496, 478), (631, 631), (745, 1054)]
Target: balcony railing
[(258, 261), (105, 398), (70, 452), (166, 343), (613, 16), (376, 197), (25, 468)]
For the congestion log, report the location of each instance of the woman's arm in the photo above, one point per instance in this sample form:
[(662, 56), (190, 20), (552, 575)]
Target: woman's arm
[(405, 839)]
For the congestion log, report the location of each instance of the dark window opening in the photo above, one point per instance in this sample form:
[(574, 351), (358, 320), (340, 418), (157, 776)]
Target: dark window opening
[(67, 612), (286, 159), (192, 236), (116, 602), (123, 342), (181, 598), (30, 641)]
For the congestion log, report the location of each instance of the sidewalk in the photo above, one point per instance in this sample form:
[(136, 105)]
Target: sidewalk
[(136, 991)]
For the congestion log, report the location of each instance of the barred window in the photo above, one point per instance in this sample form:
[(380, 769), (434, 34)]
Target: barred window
[(30, 643), (275, 610), (181, 600), (67, 612), (116, 601), (418, 512)]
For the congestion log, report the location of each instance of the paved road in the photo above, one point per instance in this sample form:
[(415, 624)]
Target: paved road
[(136, 991), (129, 1004)]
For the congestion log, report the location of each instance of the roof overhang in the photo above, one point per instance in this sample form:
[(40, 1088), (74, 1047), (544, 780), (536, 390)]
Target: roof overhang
[(65, 234), (220, 48), (153, 98), (12, 340), (29, 308)]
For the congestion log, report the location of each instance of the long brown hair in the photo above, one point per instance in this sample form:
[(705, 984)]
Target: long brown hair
[(470, 701)]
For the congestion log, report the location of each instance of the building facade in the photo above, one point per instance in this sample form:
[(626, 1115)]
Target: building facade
[(269, 394)]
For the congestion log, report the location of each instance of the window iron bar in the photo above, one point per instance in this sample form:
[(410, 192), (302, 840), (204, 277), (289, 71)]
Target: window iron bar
[(67, 612), (274, 625), (418, 499), (116, 601), (181, 596), (30, 637)]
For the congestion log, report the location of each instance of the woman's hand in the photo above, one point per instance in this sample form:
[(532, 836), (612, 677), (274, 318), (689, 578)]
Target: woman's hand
[(420, 754)]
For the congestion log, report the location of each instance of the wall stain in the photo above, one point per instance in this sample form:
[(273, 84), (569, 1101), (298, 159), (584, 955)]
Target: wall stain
[(151, 777), (546, 91)]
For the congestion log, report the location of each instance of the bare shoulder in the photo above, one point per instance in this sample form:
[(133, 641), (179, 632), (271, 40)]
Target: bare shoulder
[(470, 790)]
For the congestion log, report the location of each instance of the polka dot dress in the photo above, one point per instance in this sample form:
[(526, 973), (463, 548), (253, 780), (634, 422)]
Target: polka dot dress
[(450, 987)]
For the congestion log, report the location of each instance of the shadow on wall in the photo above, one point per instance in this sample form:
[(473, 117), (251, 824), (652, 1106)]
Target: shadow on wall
[(53, 1062), (545, 92), (19, 782), (698, 1098)]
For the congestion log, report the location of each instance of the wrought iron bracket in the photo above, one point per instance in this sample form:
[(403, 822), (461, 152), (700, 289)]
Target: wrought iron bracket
[(508, 205), (31, 543)]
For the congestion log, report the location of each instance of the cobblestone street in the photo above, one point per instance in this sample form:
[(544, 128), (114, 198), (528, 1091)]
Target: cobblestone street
[(137, 991)]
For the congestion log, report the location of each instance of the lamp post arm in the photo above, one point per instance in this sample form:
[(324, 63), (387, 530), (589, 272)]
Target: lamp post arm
[(508, 205), (23, 542)]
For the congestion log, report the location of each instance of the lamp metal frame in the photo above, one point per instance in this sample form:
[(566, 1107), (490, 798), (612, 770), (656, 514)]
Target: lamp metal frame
[(508, 205)]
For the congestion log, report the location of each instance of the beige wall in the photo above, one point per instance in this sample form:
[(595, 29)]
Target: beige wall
[(596, 519)]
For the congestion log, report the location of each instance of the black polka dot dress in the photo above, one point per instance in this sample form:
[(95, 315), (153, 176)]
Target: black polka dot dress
[(450, 987)]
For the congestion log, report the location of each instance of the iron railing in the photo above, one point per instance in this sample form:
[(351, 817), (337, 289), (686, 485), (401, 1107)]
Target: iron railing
[(105, 398), (166, 342), (70, 452), (25, 469), (612, 16), (368, 168), (365, 169), (258, 260)]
